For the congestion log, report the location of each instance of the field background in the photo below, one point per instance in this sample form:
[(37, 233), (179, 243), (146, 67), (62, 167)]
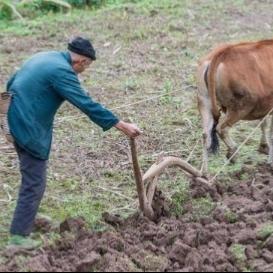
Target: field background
[(147, 56)]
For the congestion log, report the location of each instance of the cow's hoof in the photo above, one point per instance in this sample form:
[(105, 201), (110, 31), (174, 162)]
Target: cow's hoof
[(264, 149), (231, 157)]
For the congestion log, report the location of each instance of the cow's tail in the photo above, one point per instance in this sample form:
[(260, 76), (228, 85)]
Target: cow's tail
[(211, 85), (207, 105)]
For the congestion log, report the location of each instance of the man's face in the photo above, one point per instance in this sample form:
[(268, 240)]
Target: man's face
[(81, 65)]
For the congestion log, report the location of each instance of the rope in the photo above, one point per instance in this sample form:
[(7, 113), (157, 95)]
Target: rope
[(69, 118), (241, 146)]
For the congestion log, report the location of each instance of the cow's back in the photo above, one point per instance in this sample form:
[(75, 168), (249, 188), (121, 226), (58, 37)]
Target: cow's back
[(243, 77)]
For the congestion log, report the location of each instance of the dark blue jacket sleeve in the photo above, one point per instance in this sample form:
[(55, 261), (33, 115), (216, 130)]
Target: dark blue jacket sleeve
[(67, 85)]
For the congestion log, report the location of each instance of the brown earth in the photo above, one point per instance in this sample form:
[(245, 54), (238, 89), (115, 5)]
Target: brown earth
[(216, 243)]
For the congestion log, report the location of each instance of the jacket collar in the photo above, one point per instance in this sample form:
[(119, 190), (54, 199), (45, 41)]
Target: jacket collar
[(67, 56)]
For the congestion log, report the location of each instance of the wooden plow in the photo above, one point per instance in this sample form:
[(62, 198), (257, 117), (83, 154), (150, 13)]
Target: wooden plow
[(147, 184)]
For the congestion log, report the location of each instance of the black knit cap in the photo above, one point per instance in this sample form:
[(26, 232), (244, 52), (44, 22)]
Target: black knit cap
[(82, 47)]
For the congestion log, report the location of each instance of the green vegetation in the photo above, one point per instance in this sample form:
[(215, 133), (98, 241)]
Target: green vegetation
[(265, 231), (180, 198), (11, 9), (231, 216), (202, 207), (238, 252)]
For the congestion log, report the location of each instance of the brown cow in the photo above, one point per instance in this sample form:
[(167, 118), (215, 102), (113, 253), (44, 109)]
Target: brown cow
[(236, 80)]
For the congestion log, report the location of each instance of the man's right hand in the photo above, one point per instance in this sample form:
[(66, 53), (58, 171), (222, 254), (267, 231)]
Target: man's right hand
[(129, 129)]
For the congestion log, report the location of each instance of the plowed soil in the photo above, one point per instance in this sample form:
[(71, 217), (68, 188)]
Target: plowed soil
[(236, 237)]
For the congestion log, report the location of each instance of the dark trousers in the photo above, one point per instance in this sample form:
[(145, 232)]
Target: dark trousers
[(33, 172)]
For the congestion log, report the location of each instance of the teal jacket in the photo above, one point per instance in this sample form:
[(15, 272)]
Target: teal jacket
[(39, 88)]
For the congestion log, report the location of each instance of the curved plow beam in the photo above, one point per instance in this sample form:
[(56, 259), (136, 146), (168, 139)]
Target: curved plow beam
[(157, 168), (146, 195), (170, 161), (151, 188)]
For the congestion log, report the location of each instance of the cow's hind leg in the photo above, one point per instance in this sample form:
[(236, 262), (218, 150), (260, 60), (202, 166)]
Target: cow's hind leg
[(223, 130), (210, 141), (264, 148), (271, 143)]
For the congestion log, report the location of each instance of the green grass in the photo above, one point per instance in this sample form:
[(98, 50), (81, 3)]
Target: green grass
[(265, 231), (231, 216), (180, 198), (238, 251), (202, 207), (75, 207)]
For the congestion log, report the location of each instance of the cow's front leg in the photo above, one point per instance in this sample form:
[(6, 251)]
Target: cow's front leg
[(223, 131), (231, 145)]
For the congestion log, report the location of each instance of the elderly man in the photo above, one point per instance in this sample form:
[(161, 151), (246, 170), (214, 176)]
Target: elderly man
[(38, 89)]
